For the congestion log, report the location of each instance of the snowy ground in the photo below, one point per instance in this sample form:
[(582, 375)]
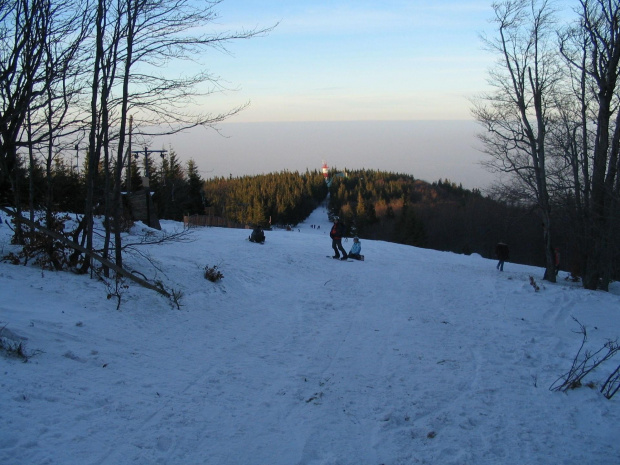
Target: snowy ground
[(410, 357)]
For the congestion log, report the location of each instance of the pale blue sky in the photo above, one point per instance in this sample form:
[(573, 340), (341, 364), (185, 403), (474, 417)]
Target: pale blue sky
[(354, 60), (347, 61)]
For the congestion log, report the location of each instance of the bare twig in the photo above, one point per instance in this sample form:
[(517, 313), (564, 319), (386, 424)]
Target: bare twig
[(585, 362)]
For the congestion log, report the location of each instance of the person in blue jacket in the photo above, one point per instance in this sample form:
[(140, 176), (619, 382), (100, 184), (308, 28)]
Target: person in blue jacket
[(356, 248)]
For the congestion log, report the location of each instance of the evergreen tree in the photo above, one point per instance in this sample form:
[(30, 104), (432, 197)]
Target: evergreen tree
[(409, 229), (172, 191), (284, 198), (69, 190), (194, 203)]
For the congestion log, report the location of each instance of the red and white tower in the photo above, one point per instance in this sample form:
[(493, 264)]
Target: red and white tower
[(325, 170)]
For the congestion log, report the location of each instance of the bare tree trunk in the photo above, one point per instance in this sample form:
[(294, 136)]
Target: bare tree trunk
[(18, 237), (93, 155), (517, 114), (600, 21), (133, 9), (31, 166)]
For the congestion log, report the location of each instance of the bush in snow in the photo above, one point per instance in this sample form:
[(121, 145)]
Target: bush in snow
[(12, 345), (43, 250), (213, 274)]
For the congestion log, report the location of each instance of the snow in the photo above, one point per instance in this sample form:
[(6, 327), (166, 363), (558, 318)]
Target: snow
[(413, 356)]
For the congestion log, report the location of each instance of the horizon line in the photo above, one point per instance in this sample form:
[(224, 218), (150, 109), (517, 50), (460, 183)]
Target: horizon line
[(358, 121)]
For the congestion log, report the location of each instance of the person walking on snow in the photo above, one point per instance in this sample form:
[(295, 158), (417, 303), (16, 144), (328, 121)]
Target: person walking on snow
[(336, 234), (501, 250), (356, 249)]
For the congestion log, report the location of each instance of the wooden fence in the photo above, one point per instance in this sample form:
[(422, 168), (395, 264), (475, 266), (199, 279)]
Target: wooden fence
[(192, 221)]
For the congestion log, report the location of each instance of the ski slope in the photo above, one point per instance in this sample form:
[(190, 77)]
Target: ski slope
[(411, 357)]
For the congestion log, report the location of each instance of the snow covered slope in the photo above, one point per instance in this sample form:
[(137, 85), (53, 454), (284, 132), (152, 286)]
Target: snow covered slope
[(411, 357)]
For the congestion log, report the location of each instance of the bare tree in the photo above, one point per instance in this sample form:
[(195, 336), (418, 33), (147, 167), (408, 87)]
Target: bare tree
[(39, 42), (601, 21), (93, 141), (22, 51), (58, 118), (516, 114), (132, 49), (591, 49), (137, 45)]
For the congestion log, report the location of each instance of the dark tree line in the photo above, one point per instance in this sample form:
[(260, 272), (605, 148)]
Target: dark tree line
[(284, 198), (176, 189), (440, 215)]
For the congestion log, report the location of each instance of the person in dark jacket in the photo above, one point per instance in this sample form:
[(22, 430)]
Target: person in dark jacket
[(336, 234), (257, 235), (502, 252)]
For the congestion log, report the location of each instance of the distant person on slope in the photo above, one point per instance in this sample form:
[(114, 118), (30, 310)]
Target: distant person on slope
[(501, 250), (336, 234), (257, 235), (356, 249)]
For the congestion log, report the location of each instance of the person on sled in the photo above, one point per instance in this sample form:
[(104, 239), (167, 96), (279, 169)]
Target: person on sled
[(257, 235), (356, 248), (336, 234)]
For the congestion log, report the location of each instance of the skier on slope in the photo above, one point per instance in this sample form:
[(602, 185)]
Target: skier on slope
[(336, 234)]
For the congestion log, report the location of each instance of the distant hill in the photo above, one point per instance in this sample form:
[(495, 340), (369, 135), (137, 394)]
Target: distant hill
[(275, 198), (385, 206), (439, 215)]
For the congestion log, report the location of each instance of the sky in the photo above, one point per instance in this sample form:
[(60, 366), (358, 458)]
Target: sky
[(355, 60), (412, 356), (346, 61)]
